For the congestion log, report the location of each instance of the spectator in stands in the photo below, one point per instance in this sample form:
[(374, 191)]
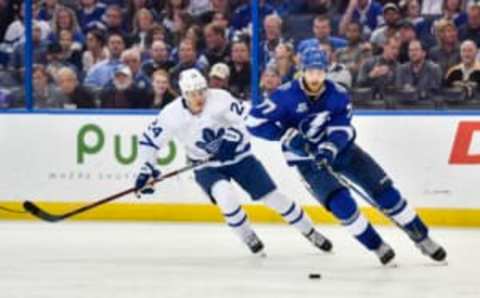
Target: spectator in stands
[(120, 3), (447, 52), (391, 14), (64, 18), (132, 59), (197, 8), (406, 34), (7, 15), (366, 12), (471, 30), (453, 10), (159, 59), (45, 94), (71, 52), (272, 26), (15, 33), (183, 22), (379, 72), (47, 10), (17, 61), (132, 8), (90, 15), (218, 48), (240, 69), (270, 80), (195, 33), (356, 51), (56, 59), (5, 97), (77, 96), (163, 92), (221, 19), (188, 58), (419, 74), (467, 73), (322, 31), (103, 71), (114, 22), (336, 72), (284, 62), (142, 23), (173, 9), (156, 33), (219, 76), (220, 7), (432, 8), (242, 16), (95, 50), (412, 12), (121, 92)]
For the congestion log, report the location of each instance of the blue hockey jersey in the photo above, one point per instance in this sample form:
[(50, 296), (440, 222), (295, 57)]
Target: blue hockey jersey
[(291, 107)]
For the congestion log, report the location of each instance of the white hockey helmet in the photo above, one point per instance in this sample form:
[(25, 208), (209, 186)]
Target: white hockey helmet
[(191, 80)]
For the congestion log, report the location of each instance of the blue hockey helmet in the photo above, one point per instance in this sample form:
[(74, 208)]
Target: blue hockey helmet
[(313, 57)]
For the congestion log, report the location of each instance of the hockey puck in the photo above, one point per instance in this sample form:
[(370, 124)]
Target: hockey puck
[(314, 276)]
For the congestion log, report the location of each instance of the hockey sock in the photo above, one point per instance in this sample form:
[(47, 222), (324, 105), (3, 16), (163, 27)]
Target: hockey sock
[(398, 209), (342, 205), (290, 211), (232, 211)]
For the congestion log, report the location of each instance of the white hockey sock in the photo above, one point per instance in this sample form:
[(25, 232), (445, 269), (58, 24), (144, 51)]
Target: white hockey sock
[(229, 204), (289, 210), (404, 215)]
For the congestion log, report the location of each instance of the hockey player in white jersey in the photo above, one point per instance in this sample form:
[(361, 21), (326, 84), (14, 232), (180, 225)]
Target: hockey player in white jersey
[(210, 125)]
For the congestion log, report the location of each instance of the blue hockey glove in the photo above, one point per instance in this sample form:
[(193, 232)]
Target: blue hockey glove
[(324, 157), (142, 184), (296, 143), (228, 146)]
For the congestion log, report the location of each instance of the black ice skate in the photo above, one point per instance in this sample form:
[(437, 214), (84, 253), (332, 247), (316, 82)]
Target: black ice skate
[(432, 249), (385, 253), (255, 244), (318, 240)]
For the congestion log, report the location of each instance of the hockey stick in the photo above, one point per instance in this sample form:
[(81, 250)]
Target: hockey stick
[(343, 181), (40, 213)]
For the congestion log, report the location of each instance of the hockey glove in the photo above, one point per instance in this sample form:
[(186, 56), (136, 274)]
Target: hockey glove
[(296, 143), (228, 146), (142, 184), (324, 157)]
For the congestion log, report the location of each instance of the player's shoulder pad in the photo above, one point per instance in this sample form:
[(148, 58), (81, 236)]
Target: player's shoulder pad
[(219, 99), (172, 112), (338, 93), (283, 93)]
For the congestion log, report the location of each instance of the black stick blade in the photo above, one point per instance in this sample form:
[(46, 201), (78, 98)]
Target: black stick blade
[(37, 212)]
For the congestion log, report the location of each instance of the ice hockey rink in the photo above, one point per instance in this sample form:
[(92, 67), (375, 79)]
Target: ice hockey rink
[(145, 260)]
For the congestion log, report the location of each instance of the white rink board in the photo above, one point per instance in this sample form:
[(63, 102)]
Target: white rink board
[(39, 159)]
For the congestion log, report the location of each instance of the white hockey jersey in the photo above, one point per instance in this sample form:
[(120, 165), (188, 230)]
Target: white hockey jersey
[(221, 113)]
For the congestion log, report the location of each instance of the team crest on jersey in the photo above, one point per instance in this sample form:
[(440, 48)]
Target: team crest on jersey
[(211, 140), (302, 107)]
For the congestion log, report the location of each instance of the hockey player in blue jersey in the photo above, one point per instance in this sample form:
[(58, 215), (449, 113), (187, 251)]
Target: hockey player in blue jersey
[(312, 117), (210, 124)]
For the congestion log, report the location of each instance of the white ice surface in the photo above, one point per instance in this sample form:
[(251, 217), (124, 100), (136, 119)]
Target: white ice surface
[(147, 260)]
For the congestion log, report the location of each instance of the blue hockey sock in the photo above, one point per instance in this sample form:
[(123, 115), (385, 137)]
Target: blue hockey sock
[(342, 205), (395, 207)]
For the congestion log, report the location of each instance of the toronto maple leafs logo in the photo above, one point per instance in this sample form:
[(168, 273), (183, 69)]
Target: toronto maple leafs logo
[(211, 140)]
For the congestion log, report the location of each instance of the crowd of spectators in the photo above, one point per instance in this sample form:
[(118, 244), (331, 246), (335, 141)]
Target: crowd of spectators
[(129, 53)]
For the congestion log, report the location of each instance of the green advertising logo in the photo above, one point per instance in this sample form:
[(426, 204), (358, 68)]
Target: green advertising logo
[(124, 158)]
